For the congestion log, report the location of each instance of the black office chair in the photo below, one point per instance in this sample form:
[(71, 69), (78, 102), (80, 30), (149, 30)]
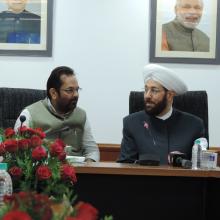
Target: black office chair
[(13, 100), (194, 102)]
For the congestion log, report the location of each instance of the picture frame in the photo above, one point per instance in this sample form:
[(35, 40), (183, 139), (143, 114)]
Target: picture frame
[(162, 12), (27, 33)]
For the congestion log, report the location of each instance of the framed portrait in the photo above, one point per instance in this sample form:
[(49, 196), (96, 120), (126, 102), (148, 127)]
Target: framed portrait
[(26, 27), (185, 31)]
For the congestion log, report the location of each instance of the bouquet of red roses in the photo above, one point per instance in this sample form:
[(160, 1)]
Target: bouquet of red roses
[(42, 179), (36, 164), (33, 206)]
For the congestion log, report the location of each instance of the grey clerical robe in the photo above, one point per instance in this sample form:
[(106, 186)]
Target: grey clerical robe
[(145, 134)]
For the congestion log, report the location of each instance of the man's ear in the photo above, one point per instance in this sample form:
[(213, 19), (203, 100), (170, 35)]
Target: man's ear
[(53, 93), (170, 95)]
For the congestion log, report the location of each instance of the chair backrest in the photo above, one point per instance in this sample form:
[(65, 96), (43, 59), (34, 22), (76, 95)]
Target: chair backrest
[(14, 100), (194, 102)]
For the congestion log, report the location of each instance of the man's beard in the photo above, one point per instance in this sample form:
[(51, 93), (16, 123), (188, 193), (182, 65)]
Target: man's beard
[(158, 108), (67, 107), (181, 18)]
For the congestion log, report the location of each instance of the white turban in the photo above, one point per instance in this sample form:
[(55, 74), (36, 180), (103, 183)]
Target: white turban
[(165, 77)]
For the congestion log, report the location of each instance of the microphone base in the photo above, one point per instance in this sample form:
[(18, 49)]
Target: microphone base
[(148, 162)]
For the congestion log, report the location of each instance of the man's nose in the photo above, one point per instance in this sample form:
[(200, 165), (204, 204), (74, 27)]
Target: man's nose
[(148, 94), (76, 94)]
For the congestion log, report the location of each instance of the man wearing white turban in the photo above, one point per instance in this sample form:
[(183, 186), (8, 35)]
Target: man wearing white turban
[(159, 129)]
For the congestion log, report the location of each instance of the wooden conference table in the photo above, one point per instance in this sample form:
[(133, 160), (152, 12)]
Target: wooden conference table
[(129, 191)]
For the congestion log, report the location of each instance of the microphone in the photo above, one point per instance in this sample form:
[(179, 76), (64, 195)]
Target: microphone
[(187, 164), (22, 120), (179, 160)]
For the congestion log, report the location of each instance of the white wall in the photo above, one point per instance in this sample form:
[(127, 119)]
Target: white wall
[(107, 43)]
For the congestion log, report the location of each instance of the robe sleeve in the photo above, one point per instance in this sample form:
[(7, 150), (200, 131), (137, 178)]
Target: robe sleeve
[(129, 153)]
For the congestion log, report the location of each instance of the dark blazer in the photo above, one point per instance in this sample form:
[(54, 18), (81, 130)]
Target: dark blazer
[(145, 134)]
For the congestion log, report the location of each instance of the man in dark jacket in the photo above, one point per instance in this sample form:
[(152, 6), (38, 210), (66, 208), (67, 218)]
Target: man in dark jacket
[(159, 129)]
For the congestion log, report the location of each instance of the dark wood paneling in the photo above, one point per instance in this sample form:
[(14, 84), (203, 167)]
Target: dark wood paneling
[(129, 191), (109, 152)]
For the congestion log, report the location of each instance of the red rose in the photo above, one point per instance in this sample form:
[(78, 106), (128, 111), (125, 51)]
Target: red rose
[(40, 133), (86, 211), (23, 144), (39, 153), (18, 197), (9, 132), (60, 142), (43, 172), (15, 172), (36, 141), (55, 149), (22, 195), (13, 202), (62, 156), (31, 132), (16, 215), (11, 145), (2, 149), (42, 205), (22, 130), (25, 197), (8, 198), (68, 173), (41, 199), (44, 210)]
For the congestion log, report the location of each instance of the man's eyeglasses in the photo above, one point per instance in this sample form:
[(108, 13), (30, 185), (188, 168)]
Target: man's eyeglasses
[(152, 91), (72, 90)]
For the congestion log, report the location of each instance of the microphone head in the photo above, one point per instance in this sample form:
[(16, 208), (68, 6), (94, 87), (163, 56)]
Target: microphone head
[(176, 158), (187, 164), (22, 118), (178, 161)]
